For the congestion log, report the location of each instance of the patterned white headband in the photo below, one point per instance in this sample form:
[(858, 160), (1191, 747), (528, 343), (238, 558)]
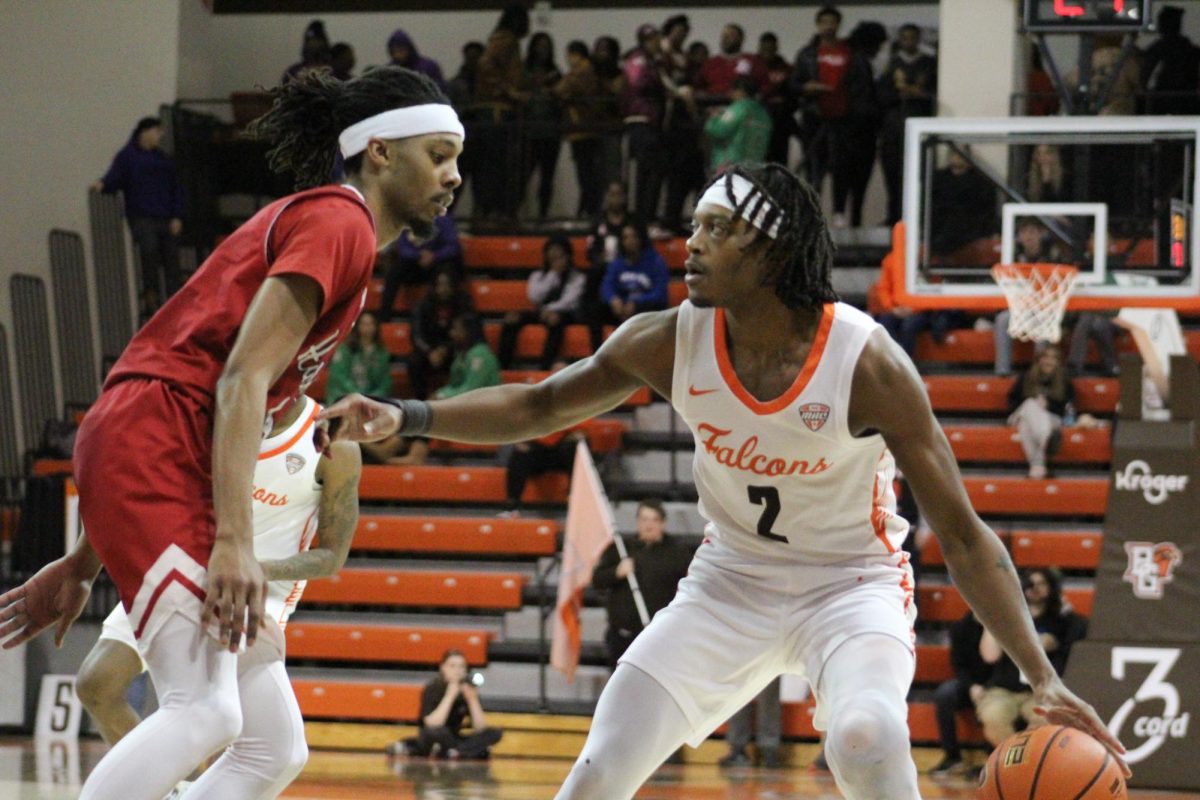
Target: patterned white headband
[(755, 211), (400, 123)]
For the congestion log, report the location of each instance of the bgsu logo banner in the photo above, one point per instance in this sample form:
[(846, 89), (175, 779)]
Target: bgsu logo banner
[(1151, 567)]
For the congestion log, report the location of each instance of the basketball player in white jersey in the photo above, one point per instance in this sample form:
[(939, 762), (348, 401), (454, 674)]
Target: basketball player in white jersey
[(800, 407), (298, 496)]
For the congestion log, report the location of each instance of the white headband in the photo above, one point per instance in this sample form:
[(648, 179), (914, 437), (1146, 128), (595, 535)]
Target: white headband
[(400, 123), (756, 210)]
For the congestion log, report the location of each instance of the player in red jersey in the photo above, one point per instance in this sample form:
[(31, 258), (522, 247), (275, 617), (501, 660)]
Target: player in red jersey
[(165, 457)]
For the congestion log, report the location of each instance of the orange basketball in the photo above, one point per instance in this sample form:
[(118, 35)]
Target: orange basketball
[(1051, 763)]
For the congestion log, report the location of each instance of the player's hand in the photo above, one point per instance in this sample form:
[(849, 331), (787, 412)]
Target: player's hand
[(1060, 706), (237, 592), (360, 419), (57, 593)]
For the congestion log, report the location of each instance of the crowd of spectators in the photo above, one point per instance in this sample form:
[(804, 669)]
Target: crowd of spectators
[(664, 112)]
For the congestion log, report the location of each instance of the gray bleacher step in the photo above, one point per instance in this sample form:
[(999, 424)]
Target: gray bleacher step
[(494, 624), (683, 517), (524, 568), (363, 675), (656, 417), (525, 623), (655, 465), (530, 651)]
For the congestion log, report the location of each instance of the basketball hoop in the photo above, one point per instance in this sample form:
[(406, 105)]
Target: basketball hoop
[(1037, 296)]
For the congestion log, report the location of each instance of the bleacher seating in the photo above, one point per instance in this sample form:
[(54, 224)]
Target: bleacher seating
[(433, 568)]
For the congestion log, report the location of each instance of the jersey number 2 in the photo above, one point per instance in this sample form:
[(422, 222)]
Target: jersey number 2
[(768, 498)]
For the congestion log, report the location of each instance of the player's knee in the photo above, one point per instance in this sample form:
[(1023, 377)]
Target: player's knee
[(291, 755), (865, 731), (97, 689), (215, 719)]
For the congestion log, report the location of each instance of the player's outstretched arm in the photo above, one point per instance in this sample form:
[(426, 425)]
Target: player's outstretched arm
[(337, 519), (888, 396), (640, 352), (57, 593)]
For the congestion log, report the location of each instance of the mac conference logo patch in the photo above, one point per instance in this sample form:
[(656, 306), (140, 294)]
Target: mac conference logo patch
[(814, 415), (294, 463)]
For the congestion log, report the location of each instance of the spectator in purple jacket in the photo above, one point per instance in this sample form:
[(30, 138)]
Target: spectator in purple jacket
[(404, 53), (636, 280), (153, 209), (407, 263), (314, 52)]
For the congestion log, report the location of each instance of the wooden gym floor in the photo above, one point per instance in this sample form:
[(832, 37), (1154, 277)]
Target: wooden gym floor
[(56, 771)]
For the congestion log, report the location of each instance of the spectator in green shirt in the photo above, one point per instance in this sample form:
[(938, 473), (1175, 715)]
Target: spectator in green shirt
[(475, 365), (362, 364), (742, 132)]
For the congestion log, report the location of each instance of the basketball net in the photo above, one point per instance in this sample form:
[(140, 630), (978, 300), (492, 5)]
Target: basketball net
[(1037, 296)]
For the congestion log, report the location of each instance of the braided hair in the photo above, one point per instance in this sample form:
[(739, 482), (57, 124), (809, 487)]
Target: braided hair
[(311, 111), (802, 253)]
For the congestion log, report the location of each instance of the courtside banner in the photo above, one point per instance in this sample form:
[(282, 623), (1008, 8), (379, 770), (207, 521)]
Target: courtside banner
[(590, 529)]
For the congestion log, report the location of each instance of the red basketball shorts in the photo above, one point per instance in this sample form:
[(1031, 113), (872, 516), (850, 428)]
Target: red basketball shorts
[(143, 466)]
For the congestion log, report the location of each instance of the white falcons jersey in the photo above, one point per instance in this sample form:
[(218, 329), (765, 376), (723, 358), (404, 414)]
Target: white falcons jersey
[(784, 481), (286, 497)]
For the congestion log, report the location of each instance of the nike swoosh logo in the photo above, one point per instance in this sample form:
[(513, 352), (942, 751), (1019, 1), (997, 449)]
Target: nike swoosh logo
[(694, 392)]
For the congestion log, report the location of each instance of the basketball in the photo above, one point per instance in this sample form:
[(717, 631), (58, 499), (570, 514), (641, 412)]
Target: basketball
[(1051, 763)]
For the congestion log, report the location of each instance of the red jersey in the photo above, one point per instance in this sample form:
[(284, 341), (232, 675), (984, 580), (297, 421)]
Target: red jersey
[(720, 71), (326, 234), (833, 65)]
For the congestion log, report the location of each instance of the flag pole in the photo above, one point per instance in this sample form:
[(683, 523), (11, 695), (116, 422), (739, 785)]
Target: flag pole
[(638, 600)]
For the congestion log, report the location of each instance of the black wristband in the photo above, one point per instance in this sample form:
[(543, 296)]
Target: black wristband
[(416, 416)]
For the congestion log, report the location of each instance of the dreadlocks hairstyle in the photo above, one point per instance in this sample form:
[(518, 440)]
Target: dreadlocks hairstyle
[(802, 252), (311, 111)]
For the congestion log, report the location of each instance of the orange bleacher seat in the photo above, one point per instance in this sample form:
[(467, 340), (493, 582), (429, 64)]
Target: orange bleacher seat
[(47, 467), (525, 252), (996, 444), (931, 553), (1048, 497), (396, 587), (346, 699), (401, 387), (1065, 549), (345, 641), (978, 347), (944, 603), (1038, 548), (454, 484), (499, 296), (989, 393), (397, 337), (577, 343), (922, 723), (487, 535), (933, 663), (511, 252), (10, 521), (640, 397), (603, 436)]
